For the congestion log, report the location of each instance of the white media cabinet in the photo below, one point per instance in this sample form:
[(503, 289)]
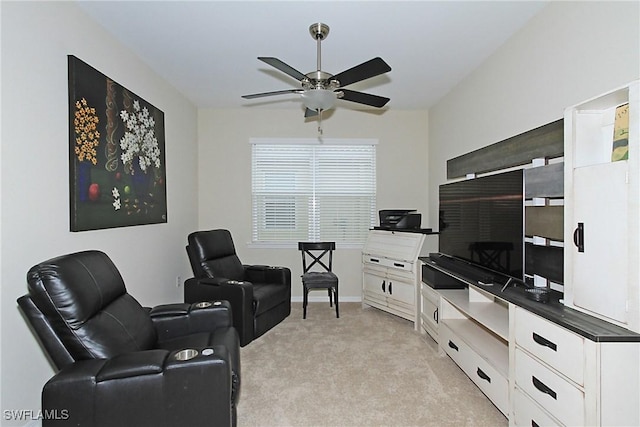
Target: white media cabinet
[(575, 360), (391, 271), (539, 363)]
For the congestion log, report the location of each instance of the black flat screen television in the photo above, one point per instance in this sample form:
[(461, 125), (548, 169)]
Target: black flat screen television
[(481, 222)]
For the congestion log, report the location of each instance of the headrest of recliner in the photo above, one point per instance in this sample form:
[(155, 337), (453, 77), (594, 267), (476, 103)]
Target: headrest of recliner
[(75, 286), (84, 299), (212, 244)]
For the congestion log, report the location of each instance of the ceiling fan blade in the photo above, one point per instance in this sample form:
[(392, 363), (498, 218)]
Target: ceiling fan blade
[(366, 70), (310, 113), (277, 92), (363, 98), (285, 68)]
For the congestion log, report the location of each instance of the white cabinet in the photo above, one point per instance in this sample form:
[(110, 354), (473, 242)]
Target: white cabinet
[(561, 378), (602, 215), (391, 272)]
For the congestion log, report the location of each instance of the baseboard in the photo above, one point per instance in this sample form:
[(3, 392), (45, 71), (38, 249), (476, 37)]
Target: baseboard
[(325, 298)]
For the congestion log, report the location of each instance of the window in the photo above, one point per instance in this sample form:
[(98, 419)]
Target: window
[(305, 190)]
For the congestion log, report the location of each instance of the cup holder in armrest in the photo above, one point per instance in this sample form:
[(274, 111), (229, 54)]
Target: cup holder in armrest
[(186, 354), (234, 282), (203, 304)]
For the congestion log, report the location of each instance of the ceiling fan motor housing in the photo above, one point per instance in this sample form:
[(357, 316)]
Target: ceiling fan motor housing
[(319, 80)]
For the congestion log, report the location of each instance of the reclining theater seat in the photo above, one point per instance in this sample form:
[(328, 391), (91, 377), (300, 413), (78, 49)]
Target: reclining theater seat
[(120, 364), (260, 295)]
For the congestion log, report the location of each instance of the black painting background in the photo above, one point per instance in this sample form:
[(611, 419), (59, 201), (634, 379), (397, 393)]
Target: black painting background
[(141, 202)]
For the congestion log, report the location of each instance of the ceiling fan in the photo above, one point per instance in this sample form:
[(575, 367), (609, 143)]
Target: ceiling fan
[(320, 89)]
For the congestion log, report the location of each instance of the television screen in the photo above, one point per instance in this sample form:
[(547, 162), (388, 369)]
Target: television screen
[(481, 221)]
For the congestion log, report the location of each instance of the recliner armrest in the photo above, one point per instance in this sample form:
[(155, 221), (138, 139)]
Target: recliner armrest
[(175, 320), (268, 274), (147, 387)]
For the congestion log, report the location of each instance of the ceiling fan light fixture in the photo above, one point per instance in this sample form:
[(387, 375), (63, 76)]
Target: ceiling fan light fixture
[(319, 99)]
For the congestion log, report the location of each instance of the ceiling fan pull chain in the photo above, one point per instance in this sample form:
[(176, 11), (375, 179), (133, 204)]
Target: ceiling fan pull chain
[(319, 122)]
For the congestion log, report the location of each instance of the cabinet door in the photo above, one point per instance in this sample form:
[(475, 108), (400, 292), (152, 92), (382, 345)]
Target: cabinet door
[(429, 310), (600, 271), (402, 292), (375, 285)]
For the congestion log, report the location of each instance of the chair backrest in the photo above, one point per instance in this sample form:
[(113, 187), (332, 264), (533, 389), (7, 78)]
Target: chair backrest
[(317, 254), (212, 254), (80, 302)]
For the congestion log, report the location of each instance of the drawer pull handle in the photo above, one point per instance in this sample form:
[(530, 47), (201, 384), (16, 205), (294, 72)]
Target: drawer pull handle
[(374, 260), (397, 264), (384, 286), (534, 424), (543, 388), (435, 315), (390, 288), (544, 342), (482, 375), (453, 346)]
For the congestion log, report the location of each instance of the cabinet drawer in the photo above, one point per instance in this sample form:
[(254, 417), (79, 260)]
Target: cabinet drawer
[(552, 344), (527, 413), (562, 399), (485, 376), (452, 345), (387, 262)]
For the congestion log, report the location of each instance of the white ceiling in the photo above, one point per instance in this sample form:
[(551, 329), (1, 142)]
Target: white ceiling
[(208, 49)]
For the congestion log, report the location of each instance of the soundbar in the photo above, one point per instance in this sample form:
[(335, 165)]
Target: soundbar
[(461, 267)]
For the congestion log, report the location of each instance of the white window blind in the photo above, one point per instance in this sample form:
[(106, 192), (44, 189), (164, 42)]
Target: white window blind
[(313, 191)]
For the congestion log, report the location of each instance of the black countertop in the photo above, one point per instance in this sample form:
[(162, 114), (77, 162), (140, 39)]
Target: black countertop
[(576, 321)]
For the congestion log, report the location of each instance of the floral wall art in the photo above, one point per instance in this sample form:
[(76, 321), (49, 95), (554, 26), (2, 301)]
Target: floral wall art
[(117, 154)]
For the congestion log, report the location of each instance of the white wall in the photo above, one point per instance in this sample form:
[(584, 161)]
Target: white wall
[(569, 52), (36, 39), (225, 174)]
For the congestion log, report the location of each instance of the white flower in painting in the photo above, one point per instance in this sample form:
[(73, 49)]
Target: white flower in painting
[(116, 198), (139, 141)]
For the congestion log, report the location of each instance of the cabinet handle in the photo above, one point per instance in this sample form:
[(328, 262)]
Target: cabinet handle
[(390, 288), (544, 342), (543, 388), (384, 286), (578, 237), (453, 346), (534, 424), (435, 315), (374, 260), (482, 375), (398, 264)]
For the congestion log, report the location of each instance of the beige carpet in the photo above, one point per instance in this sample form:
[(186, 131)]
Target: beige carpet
[(368, 368)]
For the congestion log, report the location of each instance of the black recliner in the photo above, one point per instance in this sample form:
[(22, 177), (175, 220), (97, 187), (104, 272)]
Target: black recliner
[(120, 364), (260, 295)]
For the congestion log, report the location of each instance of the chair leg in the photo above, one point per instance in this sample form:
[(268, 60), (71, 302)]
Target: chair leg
[(335, 294), (304, 302), (330, 297)]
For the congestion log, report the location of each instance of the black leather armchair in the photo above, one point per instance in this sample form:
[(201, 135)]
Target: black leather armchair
[(260, 295), (120, 364)]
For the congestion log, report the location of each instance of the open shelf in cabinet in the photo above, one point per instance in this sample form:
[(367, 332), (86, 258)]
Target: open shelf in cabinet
[(481, 321), (592, 125), (484, 308)]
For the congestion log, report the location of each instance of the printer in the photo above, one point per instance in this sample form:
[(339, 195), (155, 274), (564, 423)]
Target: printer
[(399, 219)]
